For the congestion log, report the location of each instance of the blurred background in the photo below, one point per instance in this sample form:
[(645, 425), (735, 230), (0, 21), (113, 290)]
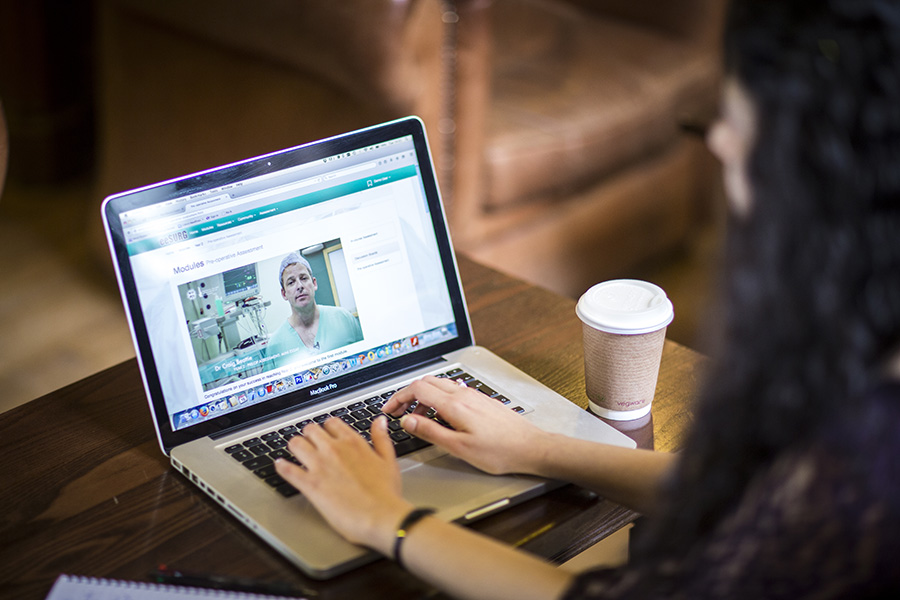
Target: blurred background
[(567, 137)]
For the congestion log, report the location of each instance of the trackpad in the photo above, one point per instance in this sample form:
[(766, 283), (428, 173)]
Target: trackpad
[(446, 481)]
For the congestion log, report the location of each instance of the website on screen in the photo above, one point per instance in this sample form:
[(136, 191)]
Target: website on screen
[(228, 287)]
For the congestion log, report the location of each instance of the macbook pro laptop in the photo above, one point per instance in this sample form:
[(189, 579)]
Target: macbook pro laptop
[(201, 263)]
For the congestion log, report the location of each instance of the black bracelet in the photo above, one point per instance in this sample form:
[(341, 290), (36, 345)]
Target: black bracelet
[(414, 516)]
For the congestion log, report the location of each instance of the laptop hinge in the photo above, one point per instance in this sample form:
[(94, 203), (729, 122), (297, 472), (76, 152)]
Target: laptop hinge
[(324, 397)]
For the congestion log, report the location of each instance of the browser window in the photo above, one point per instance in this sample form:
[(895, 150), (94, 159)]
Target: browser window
[(209, 270)]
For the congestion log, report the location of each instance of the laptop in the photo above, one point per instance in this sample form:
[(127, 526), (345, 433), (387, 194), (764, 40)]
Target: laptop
[(202, 262)]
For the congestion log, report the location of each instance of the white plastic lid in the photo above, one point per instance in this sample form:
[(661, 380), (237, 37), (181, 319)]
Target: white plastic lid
[(625, 307)]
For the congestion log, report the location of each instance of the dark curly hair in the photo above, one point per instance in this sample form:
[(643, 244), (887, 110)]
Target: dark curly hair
[(811, 286)]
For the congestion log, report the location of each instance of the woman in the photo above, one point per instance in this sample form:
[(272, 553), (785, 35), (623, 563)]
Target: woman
[(789, 484)]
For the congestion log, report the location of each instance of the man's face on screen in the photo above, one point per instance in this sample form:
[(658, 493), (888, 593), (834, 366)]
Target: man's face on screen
[(298, 286)]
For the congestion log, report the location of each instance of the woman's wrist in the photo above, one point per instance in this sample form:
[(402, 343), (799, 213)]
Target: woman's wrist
[(411, 519), (537, 460), (383, 527)]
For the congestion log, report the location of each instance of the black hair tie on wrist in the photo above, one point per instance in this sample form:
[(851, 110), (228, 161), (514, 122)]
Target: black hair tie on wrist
[(414, 516)]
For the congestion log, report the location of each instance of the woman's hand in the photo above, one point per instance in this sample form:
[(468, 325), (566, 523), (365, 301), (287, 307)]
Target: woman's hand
[(356, 487), (485, 433)]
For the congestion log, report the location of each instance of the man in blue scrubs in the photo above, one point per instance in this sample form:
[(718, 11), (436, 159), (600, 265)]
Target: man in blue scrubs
[(310, 329)]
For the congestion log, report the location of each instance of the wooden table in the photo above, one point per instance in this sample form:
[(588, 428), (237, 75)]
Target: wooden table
[(87, 491)]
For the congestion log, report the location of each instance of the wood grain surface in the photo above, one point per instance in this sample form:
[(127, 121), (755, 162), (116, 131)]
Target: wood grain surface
[(86, 489)]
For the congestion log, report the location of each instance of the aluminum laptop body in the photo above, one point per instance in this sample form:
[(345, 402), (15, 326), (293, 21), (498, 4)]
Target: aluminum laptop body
[(199, 264)]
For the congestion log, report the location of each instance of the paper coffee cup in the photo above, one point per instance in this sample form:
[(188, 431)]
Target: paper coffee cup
[(624, 324)]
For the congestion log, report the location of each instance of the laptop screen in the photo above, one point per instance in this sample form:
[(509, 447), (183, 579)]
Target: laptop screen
[(285, 279)]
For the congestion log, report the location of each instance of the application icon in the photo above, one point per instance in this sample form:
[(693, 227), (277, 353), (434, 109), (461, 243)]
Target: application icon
[(204, 411)]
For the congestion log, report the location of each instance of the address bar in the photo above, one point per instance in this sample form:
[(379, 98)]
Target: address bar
[(293, 186), (275, 190), (349, 170)]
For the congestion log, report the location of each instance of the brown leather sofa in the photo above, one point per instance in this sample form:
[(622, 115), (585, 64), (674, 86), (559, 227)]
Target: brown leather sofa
[(554, 123), (4, 149)]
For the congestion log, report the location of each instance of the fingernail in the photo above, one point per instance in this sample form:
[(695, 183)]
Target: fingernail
[(408, 423)]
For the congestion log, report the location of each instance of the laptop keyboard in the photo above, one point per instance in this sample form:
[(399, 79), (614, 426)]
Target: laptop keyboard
[(259, 453)]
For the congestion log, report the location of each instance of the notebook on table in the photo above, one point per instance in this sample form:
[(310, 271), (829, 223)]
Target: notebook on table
[(218, 272)]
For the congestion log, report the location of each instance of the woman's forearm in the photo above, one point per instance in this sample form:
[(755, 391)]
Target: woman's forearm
[(466, 564), (627, 476)]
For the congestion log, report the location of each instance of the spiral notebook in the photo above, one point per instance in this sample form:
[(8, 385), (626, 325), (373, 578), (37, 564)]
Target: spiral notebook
[(73, 587)]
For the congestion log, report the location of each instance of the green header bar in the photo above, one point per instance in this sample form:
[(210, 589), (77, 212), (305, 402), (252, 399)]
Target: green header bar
[(270, 210)]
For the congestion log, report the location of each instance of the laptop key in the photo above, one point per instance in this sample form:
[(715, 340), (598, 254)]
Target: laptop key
[(266, 471), (233, 449), (242, 455), (286, 490), (259, 449), (399, 436), (410, 445), (481, 387), (275, 480), (257, 463), (275, 455)]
